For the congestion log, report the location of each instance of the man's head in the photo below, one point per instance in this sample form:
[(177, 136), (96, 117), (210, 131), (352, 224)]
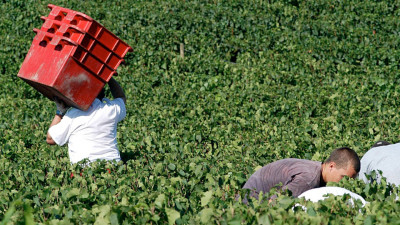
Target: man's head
[(342, 162)]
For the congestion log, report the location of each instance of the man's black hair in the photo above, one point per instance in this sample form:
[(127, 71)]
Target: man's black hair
[(343, 156)]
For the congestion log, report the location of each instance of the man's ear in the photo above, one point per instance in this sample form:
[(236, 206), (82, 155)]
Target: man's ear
[(332, 165)]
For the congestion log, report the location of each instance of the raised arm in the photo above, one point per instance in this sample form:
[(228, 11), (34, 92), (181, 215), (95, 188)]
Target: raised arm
[(116, 89)]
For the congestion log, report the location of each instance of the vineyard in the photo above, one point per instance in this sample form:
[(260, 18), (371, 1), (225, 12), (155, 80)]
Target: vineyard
[(215, 89)]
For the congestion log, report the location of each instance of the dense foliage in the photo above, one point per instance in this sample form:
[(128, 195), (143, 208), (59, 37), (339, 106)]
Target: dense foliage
[(258, 81)]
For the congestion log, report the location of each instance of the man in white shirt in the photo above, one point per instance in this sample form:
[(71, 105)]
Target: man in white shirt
[(384, 157), (90, 134)]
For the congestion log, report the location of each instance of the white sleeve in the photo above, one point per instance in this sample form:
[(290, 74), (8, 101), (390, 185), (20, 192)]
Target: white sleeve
[(120, 108), (60, 132)]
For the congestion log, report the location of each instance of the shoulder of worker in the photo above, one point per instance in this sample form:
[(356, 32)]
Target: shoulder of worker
[(117, 101), (376, 153), (291, 166), (294, 162)]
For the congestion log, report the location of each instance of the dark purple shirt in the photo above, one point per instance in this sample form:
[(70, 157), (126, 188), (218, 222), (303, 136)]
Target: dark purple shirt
[(297, 175)]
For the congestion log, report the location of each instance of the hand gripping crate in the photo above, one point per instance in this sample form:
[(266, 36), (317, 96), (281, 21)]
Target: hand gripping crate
[(72, 57)]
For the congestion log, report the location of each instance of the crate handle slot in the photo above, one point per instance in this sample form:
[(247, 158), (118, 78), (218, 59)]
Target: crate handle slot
[(54, 39)]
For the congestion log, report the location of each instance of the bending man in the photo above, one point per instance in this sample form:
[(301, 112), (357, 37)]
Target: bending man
[(300, 175)]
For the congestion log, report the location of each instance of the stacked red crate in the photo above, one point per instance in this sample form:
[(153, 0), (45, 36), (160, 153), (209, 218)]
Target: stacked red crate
[(72, 57)]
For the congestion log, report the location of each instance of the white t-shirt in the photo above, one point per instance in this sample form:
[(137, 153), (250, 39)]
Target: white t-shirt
[(384, 158), (317, 194), (91, 134)]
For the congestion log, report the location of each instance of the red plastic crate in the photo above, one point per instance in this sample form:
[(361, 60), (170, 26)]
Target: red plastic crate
[(86, 24), (85, 40), (56, 66), (72, 57)]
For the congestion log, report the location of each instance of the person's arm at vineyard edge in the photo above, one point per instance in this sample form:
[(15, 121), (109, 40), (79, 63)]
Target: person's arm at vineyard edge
[(61, 110), (116, 89)]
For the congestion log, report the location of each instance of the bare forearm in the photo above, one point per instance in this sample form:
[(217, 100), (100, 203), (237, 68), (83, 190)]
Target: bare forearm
[(56, 120), (116, 89)]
